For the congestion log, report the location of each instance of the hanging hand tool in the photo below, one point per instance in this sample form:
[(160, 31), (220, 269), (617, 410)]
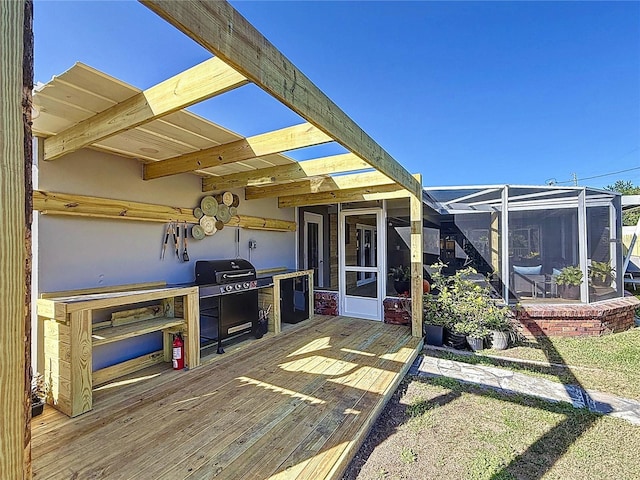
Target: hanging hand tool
[(166, 240), (175, 238), (185, 255)]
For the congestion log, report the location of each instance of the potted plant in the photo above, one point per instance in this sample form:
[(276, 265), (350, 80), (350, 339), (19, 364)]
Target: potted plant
[(569, 280), (401, 278), (263, 321), (466, 310), (474, 330), (461, 306), (601, 273), (434, 320), (499, 322), (38, 394)]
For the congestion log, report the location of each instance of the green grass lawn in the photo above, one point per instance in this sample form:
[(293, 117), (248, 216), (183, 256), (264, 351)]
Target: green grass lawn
[(610, 363), (439, 428)]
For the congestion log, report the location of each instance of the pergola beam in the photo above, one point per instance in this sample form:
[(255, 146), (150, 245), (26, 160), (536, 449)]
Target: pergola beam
[(278, 141), (219, 28), (318, 185), (206, 80), (383, 192), (345, 162)]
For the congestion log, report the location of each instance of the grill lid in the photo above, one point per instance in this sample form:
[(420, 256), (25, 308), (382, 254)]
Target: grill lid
[(224, 271)]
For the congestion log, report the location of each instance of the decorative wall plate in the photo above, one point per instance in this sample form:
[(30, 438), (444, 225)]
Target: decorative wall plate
[(197, 232), (208, 224), (209, 205)]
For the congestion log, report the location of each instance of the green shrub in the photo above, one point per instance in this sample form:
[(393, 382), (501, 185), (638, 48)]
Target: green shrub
[(464, 305)]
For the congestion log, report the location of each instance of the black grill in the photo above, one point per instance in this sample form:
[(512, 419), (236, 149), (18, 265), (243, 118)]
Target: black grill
[(228, 300)]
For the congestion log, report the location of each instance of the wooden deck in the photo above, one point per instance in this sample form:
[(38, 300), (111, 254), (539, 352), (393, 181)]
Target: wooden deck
[(295, 406)]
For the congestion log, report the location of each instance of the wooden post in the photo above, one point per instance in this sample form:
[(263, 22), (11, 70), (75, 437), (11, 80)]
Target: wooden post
[(416, 263), (81, 362), (16, 65)]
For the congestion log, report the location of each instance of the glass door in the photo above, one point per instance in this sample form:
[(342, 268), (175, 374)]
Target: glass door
[(361, 263), (313, 242)]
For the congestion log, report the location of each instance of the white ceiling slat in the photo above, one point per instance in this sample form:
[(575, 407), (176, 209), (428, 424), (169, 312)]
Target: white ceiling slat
[(82, 91), (207, 79)]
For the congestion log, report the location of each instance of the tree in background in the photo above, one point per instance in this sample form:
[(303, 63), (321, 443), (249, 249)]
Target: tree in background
[(625, 187)]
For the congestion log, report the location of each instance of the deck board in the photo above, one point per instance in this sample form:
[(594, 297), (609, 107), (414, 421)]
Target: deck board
[(294, 406)]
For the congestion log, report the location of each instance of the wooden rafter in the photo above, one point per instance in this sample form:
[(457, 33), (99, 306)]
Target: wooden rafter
[(208, 79), (340, 196), (278, 141), (219, 28), (345, 162), (319, 184)]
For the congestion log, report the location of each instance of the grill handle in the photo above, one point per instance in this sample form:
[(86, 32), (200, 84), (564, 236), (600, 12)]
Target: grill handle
[(237, 275)]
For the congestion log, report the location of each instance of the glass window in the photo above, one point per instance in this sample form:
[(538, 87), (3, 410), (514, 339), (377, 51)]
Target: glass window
[(361, 240), (358, 286)]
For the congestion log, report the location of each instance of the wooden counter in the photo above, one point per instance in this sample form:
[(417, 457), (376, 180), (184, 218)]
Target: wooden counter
[(272, 295), (70, 335)]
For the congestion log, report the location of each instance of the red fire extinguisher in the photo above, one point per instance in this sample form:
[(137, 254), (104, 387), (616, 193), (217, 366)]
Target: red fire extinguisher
[(178, 352)]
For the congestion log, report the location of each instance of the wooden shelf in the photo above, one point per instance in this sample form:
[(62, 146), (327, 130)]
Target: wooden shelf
[(115, 334), (53, 203)]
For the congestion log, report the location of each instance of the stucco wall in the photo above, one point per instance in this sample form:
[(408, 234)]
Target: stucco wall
[(77, 252)]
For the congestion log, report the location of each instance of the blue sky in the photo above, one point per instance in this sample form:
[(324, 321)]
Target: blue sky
[(463, 92)]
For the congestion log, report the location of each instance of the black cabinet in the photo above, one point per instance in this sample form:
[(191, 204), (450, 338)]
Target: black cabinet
[(294, 299)]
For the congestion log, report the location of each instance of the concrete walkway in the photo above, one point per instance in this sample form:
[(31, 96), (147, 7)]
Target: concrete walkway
[(508, 381)]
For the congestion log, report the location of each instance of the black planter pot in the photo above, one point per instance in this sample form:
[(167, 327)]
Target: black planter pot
[(600, 282), (262, 327), (455, 340), (37, 407), (434, 334), (569, 292), (402, 286)]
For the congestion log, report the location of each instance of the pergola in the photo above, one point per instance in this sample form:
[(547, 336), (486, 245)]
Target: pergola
[(153, 126)]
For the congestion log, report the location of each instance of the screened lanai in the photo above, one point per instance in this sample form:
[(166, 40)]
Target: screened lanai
[(537, 244)]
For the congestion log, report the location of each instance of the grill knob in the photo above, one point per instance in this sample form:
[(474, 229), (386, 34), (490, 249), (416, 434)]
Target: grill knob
[(238, 286), (246, 285), (229, 288)]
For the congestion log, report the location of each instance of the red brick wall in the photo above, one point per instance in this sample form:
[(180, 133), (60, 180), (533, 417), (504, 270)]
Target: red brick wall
[(325, 303), (608, 316), (395, 310)]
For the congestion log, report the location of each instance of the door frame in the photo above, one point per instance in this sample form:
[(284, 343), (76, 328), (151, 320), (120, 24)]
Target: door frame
[(376, 313), (310, 217)]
